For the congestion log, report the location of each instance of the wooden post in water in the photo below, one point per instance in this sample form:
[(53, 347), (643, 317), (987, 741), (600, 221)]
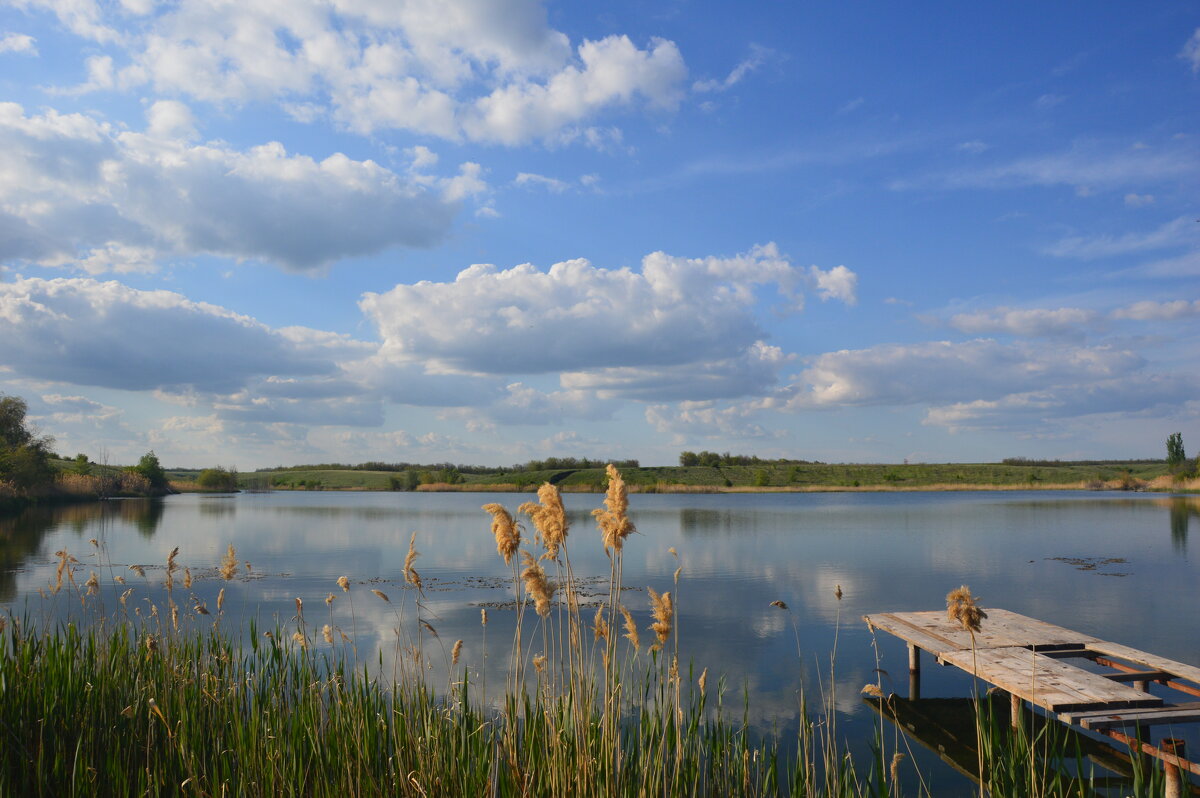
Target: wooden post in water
[(1016, 704), (1174, 780), (914, 673)]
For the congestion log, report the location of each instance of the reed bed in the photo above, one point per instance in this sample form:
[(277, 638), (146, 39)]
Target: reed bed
[(172, 699)]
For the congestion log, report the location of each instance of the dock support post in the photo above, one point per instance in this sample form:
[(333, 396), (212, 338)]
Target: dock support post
[(1174, 780), (914, 673), (1016, 704)]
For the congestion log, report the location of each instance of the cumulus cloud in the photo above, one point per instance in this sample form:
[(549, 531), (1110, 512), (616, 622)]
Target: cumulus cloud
[(84, 332), (1032, 323), (77, 191), (577, 316), (690, 420), (484, 70), (523, 404)]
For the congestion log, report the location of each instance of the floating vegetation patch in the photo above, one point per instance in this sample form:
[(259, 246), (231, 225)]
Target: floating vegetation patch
[(1096, 564)]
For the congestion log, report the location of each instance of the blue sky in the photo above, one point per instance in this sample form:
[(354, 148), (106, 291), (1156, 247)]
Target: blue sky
[(486, 231)]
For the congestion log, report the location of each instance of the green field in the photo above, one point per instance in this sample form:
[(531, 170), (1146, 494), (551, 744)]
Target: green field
[(768, 477)]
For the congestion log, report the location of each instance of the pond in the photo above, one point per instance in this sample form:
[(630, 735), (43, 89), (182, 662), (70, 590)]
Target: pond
[(1117, 566)]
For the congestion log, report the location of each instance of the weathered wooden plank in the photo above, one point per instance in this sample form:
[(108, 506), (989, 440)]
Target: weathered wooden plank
[(1150, 716), (1047, 682), (935, 633), (1185, 672)]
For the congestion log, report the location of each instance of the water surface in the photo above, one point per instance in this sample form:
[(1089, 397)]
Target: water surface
[(1117, 566)]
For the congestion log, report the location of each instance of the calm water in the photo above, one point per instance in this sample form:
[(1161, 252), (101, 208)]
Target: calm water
[(1117, 566)]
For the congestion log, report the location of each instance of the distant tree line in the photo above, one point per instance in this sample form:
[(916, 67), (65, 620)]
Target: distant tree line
[(1033, 461), (715, 460), (450, 469)]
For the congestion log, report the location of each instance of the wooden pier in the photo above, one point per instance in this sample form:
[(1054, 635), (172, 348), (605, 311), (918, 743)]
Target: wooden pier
[(1032, 661)]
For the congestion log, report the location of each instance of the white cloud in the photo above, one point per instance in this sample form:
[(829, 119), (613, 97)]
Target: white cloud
[(974, 147), (18, 43), (691, 420), (1191, 51), (1032, 323), (81, 17), (759, 55), (613, 72), (1127, 397), (576, 316), (837, 283), (72, 188), (1176, 232), (551, 184), (170, 119), (751, 372), (522, 404), (84, 332), (484, 70), (1138, 200), (940, 372), (1048, 101), (1084, 168), (1158, 311)]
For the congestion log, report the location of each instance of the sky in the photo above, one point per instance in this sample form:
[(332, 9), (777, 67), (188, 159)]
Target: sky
[(488, 231)]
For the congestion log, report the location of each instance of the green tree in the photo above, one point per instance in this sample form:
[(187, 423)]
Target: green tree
[(24, 457), (152, 470), (82, 465), (1176, 457)]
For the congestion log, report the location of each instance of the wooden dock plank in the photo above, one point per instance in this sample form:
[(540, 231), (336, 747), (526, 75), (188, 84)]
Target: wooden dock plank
[(1048, 682), (1149, 716), (1186, 672), (932, 631)]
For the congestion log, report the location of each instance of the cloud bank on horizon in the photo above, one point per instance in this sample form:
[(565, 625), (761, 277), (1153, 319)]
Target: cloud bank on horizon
[(490, 230)]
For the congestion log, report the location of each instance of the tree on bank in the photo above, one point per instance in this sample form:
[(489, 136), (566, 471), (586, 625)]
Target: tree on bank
[(24, 457), (1176, 457), (152, 470)]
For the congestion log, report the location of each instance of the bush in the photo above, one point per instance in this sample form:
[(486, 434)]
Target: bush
[(218, 479)]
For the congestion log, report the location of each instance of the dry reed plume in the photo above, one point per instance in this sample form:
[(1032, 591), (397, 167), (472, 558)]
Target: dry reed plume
[(962, 608), (614, 524), (599, 624), (536, 584), (631, 630), (549, 518), (344, 584), (172, 567), (410, 574), (456, 652), (505, 530), (664, 613), (229, 564)]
